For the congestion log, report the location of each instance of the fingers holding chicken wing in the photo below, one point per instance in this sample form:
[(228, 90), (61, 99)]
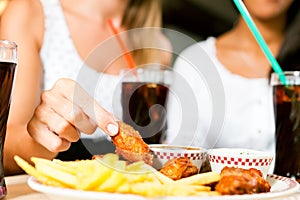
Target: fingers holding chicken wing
[(130, 145)]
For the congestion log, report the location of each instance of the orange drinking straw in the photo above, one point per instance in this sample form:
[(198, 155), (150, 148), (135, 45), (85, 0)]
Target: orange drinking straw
[(127, 54)]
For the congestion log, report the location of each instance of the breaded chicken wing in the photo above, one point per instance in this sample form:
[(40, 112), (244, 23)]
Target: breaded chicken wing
[(130, 145), (241, 181), (190, 170), (178, 168)]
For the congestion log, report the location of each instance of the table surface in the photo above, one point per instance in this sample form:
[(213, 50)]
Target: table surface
[(19, 190)]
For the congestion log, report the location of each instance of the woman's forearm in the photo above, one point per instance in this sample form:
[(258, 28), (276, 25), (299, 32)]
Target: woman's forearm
[(18, 142)]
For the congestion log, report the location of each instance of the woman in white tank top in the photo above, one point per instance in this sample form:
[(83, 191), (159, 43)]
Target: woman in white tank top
[(55, 38), (248, 116)]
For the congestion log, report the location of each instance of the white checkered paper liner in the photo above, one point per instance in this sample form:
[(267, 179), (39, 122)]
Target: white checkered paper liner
[(170, 155), (240, 161)]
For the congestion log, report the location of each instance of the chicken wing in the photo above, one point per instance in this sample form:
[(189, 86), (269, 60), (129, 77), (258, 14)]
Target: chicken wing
[(178, 168), (130, 145), (241, 181)]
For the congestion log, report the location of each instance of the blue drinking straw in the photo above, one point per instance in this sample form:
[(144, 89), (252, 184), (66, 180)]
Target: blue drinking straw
[(245, 14)]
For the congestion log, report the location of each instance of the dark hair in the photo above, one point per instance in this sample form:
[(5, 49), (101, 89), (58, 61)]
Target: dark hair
[(293, 11), (289, 53)]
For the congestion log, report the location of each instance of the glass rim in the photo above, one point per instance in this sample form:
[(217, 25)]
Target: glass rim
[(151, 66), (289, 73), (292, 78), (146, 68), (8, 44)]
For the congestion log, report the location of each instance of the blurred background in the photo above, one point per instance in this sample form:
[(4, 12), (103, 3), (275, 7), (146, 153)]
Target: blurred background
[(199, 18), (196, 18)]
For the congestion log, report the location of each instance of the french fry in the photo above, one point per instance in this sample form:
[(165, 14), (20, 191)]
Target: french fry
[(199, 179), (161, 177), (29, 169), (109, 174), (185, 190), (210, 193), (140, 178), (124, 188), (137, 167), (112, 161), (109, 159), (154, 190), (148, 189), (57, 165), (119, 165), (56, 172), (113, 182), (92, 176), (74, 164)]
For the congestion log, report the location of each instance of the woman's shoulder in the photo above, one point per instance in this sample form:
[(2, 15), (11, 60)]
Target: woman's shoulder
[(22, 17), (23, 10)]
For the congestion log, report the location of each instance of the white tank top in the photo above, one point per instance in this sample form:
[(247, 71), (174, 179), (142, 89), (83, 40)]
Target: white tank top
[(249, 117), (60, 59)]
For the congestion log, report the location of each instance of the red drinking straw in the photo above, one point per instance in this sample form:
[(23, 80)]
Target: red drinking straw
[(127, 54)]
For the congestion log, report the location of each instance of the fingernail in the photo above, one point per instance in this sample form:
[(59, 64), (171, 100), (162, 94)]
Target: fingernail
[(112, 129)]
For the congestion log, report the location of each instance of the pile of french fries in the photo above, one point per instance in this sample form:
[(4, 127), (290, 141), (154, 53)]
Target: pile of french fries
[(110, 174)]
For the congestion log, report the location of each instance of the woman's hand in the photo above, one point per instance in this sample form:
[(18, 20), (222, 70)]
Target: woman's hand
[(64, 112)]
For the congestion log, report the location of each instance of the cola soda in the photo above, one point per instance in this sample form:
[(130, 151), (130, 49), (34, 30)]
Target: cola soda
[(144, 108), (8, 60), (287, 119)]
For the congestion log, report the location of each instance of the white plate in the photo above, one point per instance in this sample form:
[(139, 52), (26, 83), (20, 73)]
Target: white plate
[(280, 186)]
